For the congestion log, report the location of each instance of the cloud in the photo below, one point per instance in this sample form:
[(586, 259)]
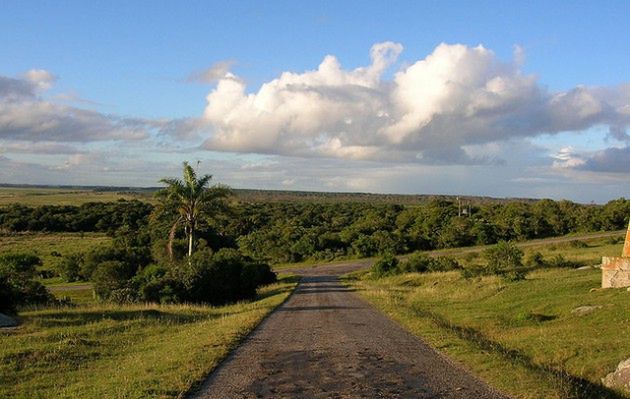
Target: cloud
[(40, 78), (567, 158), (432, 111), (12, 89), (44, 148), (609, 160), (25, 115), (217, 71)]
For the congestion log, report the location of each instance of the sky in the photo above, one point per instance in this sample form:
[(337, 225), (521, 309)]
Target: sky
[(502, 99)]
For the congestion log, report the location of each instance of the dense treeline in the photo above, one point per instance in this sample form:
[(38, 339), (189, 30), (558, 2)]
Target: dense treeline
[(104, 217), (295, 231), (289, 232)]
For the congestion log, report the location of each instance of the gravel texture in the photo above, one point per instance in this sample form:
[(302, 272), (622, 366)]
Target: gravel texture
[(326, 342)]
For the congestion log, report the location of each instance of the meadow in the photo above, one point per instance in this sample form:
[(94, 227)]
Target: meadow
[(37, 196), (125, 351), (52, 247), (526, 337)]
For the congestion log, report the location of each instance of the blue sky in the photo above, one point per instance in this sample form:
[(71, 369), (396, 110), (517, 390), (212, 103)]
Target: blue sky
[(132, 64)]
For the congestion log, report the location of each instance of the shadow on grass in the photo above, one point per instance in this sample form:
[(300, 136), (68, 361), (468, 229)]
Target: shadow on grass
[(575, 387)]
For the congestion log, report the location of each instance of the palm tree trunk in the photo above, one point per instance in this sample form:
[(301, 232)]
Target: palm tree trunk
[(190, 242)]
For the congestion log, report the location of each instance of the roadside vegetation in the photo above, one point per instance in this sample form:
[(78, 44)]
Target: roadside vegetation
[(547, 331), (109, 350)]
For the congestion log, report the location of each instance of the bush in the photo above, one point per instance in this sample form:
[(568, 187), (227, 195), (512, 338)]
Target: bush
[(109, 277), (226, 276), (17, 284), (444, 264), (416, 263), (505, 259), (155, 284), (70, 267), (385, 266)]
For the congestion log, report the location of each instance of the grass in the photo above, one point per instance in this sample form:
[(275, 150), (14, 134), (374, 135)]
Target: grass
[(130, 351), (64, 196), (50, 247), (520, 337), (83, 295)]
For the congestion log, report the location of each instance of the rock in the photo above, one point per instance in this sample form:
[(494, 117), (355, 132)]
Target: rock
[(620, 378), (6, 321), (584, 310)]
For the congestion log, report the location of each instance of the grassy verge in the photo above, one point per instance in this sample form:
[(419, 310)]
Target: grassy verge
[(520, 337), (132, 351)]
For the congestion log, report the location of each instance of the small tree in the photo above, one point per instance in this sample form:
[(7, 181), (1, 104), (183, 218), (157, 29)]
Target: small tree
[(505, 259), (17, 282), (194, 202)]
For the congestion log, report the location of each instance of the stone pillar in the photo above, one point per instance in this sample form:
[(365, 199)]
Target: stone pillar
[(626, 246), (616, 270)]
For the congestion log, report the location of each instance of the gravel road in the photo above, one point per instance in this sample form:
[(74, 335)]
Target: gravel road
[(326, 342)]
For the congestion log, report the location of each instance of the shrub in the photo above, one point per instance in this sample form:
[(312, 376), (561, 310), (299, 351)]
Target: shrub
[(420, 263), (155, 284), (416, 263), (223, 277), (109, 277), (70, 267), (443, 264), (504, 259), (17, 284), (385, 266)]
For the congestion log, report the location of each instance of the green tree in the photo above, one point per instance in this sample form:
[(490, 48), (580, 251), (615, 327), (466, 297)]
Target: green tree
[(505, 259), (193, 201)]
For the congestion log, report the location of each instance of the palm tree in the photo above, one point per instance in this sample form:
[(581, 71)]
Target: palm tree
[(195, 203)]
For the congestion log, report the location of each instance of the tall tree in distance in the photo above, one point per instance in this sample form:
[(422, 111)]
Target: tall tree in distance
[(195, 203)]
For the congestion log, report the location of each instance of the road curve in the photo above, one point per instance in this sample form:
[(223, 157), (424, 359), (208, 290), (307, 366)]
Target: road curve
[(326, 342)]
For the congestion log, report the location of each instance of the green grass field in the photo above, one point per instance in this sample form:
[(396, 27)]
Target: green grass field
[(64, 196), (521, 337), (50, 247), (128, 351)]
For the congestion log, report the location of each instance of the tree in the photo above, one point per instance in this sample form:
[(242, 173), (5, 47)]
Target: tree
[(194, 202), (505, 259)]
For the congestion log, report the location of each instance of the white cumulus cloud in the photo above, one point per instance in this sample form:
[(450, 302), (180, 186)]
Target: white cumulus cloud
[(431, 111)]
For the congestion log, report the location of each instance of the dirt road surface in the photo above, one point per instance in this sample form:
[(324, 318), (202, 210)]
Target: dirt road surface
[(326, 342)]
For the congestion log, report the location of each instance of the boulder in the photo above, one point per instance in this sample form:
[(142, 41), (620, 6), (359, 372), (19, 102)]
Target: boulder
[(584, 310), (620, 378), (6, 321)]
